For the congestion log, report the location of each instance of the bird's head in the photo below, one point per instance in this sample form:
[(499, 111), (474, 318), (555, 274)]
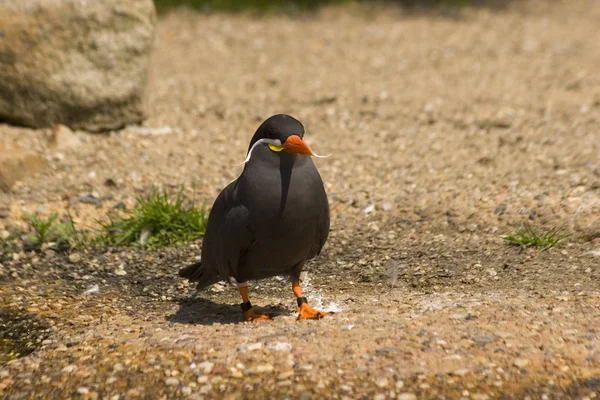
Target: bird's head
[(281, 133)]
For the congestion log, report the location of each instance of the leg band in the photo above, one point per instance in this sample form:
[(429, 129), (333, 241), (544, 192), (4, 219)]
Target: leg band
[(301, 300), (246, 306), (242, 284)]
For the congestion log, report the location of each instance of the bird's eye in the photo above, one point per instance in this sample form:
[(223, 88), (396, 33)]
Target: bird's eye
[(275, 147)]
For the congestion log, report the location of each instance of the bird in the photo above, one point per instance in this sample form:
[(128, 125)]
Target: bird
[(269, 221)]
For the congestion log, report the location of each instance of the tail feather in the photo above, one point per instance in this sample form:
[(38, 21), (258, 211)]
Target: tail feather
[(198, 273)]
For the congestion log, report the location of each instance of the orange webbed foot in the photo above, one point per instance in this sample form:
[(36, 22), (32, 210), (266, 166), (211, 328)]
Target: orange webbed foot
[(307, 312), (253, 316)]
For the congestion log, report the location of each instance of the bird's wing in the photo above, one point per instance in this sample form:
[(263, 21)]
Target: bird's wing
[(322, 232), (228, 235)]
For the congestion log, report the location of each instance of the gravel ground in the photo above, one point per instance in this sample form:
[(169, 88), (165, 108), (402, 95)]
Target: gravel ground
[(446, 129)]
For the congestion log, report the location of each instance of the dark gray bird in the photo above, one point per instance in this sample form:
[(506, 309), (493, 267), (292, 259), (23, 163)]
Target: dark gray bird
[(270, 220)]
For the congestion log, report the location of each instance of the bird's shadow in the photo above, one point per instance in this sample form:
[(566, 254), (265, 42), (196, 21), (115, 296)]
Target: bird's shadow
[(199, 311)]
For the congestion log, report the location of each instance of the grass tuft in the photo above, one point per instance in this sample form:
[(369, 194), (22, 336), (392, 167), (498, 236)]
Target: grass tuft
[(49, 231), (528, 236), (156, 221)]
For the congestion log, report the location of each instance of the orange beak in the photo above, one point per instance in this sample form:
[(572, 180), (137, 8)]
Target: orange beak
[(294, 144)]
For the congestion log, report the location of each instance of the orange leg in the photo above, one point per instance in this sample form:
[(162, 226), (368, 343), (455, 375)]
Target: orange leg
[(304, 310), (249, 313)]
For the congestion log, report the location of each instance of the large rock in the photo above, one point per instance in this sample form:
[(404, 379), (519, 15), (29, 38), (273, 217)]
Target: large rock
[(80, 63)]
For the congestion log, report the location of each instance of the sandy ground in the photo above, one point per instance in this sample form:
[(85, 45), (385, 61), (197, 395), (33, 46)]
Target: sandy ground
[(446, 131)]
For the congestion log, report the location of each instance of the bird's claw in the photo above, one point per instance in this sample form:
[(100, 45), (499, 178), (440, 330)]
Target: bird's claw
[(307, 312), (253, 316)]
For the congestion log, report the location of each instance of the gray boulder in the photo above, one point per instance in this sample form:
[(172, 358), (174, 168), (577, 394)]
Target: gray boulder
[(80, 63)]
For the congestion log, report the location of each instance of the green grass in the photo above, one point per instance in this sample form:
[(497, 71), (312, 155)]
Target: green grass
[(156, 221), (528, 236), (49, 231)]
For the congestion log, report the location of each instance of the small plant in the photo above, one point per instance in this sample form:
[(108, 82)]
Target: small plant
[(156, 221), (49, 231), (528, 236)]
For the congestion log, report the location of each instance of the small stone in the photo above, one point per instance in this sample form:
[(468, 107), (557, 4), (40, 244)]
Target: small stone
[(186, 390), (172, 381), (382, 383), (261, 369), (63, 139), (206, 367), (120, 271), (503, 335), (4, 234), (88, 198), (521, 362), (388, 350), (254, 346), (68, 369), (399, 384), (461, 372), (94, 289), (285, 375), (131, 393), (74, 258), (205, 389), (407, 396), (484, 339), (83, 390)]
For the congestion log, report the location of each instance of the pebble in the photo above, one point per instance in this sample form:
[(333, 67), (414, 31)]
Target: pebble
[(88, 198), (285, 375), (120, 271), (68, 369), (205, 389), (92, 290), (172, 381), (521, 362), (186, 390), (261, 369), (83, 390), (407, 396), (484, 339), (382, 383), (74, 258), (254, 346), (206, 367)]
